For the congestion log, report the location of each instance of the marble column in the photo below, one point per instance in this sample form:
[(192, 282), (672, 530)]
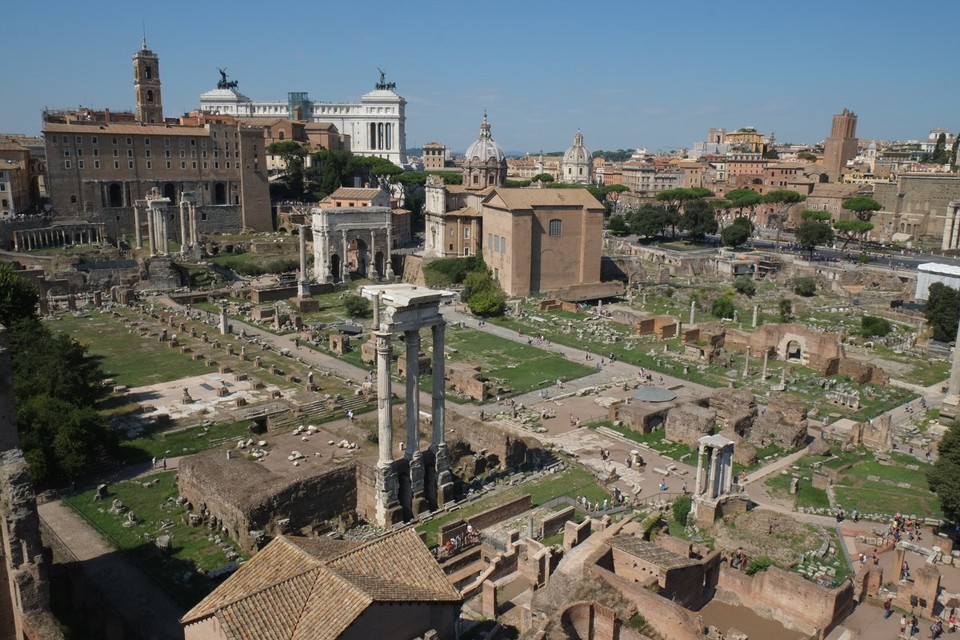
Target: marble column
[(766, 354), (698, 486), (437, 372), (693, 312), (183, 228), (137, 240), (746, 363), (372, 266), (384, 397), (303, 286), (194, 235), (343, 255), (756, 315), (412, 340), (953, 387), (150, 231), (388, 266), (712, 478)]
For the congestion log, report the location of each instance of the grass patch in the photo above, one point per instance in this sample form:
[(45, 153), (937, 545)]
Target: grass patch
[(655, 440), (171, 444), (929, 373), (123, 354), (573, 482), (152, 506)]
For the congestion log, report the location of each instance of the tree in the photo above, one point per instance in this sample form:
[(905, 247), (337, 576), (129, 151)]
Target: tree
[(943, 311), (61, 440), (292, 184), (681, 509), (542, 177), (648, 221), (782, 199), (722, 204), (617, 226), (18, 296), (811, 232), (850, 229), (745, 285), (953, 153), (805, 287), (862, 207), (357, 306), (483, 294), (698, 220), (744, 199), (54, 365), (940, 154), (874, 327), (736, 233), (723, 307), (806, 155), (785, 309), (944, 477)]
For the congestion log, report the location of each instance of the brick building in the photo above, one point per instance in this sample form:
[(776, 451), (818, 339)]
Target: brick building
[(99, 164)]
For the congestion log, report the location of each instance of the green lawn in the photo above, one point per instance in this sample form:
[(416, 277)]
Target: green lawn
[(152, 506), (573, 482), (807, 495), (655, 440), (124, 355), (172, 444)]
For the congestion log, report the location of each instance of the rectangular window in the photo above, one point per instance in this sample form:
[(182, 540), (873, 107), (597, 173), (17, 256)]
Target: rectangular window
[(166, 153), (216, 165), (228, 165), (116, 153), (66, 164), (114, 140), (466, 233), (149, 165), (66, 153), (556, 226), (96, 164), (116, 164), (129, 140), (93, 139), (129, 153), (79, 152), (194, 164), (96, 153), (146, 141), (129, 164), (147, 153), (503, 245), (180, 142), (166, 142), (203, 143), (193, 142), (168, 164), (79, 140), (79, 164), (183, 165), (182, 154)]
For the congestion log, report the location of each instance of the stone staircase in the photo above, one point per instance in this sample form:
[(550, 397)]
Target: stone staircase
[(318, 412)]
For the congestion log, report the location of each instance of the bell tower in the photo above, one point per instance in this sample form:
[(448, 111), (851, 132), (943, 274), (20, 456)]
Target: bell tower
[(146, 86)]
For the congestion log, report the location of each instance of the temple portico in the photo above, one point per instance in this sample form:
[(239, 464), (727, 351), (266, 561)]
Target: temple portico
[(421, 479), (714, 480)]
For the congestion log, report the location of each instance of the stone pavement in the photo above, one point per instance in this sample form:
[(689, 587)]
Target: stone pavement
[(138, 599)]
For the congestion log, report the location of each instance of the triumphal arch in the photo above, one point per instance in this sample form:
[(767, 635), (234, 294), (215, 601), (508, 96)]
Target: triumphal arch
[(352, 240)]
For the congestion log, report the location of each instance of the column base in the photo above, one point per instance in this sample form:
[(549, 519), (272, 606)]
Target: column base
[(389, 512), (303, 289)]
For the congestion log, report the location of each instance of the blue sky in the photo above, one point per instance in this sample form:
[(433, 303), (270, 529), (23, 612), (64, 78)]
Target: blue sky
[(630, 73)]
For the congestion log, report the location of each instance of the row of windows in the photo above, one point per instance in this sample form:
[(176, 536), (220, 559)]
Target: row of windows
[(497, 244), (181, 142), (130, 165)]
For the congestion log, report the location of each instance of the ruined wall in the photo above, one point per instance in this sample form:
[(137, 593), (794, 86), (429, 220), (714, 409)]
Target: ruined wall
[(509, 450), (590, 621), (689, 422), (555, 523), (736, 409), (792, 600), (307, 501), (860, 372), (639, 416), (500, 513), (784, 423)]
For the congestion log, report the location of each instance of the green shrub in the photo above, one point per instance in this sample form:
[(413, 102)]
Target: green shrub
[(681, 509), (874, 327), (805, 287), (745, 285), (448, 271), (357, 306), (785, 307), (723, 307), (756, 565)]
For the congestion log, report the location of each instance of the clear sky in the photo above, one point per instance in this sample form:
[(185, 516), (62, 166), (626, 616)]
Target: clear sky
[(629, 73)]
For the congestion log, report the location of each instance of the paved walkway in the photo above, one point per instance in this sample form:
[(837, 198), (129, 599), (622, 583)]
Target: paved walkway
[(138, 599)]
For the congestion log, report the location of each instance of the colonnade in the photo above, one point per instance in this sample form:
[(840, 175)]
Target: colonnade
[(58, 236), (155, 208)]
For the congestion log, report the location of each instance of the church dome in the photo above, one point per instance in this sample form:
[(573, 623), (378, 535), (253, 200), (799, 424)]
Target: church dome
[(484, 148), (577, 154)]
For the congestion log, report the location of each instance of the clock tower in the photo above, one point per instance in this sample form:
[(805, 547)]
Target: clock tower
[(146, 86)]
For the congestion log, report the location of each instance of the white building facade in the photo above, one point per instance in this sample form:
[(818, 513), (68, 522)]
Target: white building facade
[(376, 125)]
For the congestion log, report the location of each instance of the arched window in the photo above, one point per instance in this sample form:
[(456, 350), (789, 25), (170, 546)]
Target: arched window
[(149, 95), (281, 135), (115, 195), (556, 226), (147, 72)]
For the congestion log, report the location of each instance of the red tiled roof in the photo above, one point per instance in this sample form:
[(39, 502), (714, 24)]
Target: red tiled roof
[(314, 588)]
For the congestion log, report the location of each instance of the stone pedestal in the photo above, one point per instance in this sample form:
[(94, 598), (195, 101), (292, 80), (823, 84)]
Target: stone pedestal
[(389, 511)]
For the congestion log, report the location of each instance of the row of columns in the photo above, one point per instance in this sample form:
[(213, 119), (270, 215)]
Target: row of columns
[(381, 136), (31, 239), (158, 232), (719, 469)]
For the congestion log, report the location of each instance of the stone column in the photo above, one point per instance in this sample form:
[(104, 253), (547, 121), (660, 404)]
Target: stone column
[(183, 227), (951, 401), (693, 312), (766, 354), (150, 233), (756, 315), (194, 235), (698, 487), (372, 266), (387, 262), (224, 326), (343, 261), (746, 363), (303, 286), (384, 397), (726, 463), (438, 370), (164, 246), (712, 479), (412, 340)]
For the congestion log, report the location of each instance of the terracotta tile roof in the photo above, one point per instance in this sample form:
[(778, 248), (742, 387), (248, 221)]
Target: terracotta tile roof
[(350, 193), (125, 129), (468, 212), (314, 588), (6, 145), (517, 199)]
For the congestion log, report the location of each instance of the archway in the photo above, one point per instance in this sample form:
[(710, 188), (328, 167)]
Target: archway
[(170, 191), (793, 351), (115, 195), (335, 267), (219, 193), (378, 263), (358, 257)]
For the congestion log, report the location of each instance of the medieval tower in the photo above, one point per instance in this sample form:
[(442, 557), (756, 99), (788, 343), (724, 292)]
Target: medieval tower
[(146, 86), (841, 146)]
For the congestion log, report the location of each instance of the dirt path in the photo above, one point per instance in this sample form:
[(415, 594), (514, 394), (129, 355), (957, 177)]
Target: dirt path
[(138, 599)]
